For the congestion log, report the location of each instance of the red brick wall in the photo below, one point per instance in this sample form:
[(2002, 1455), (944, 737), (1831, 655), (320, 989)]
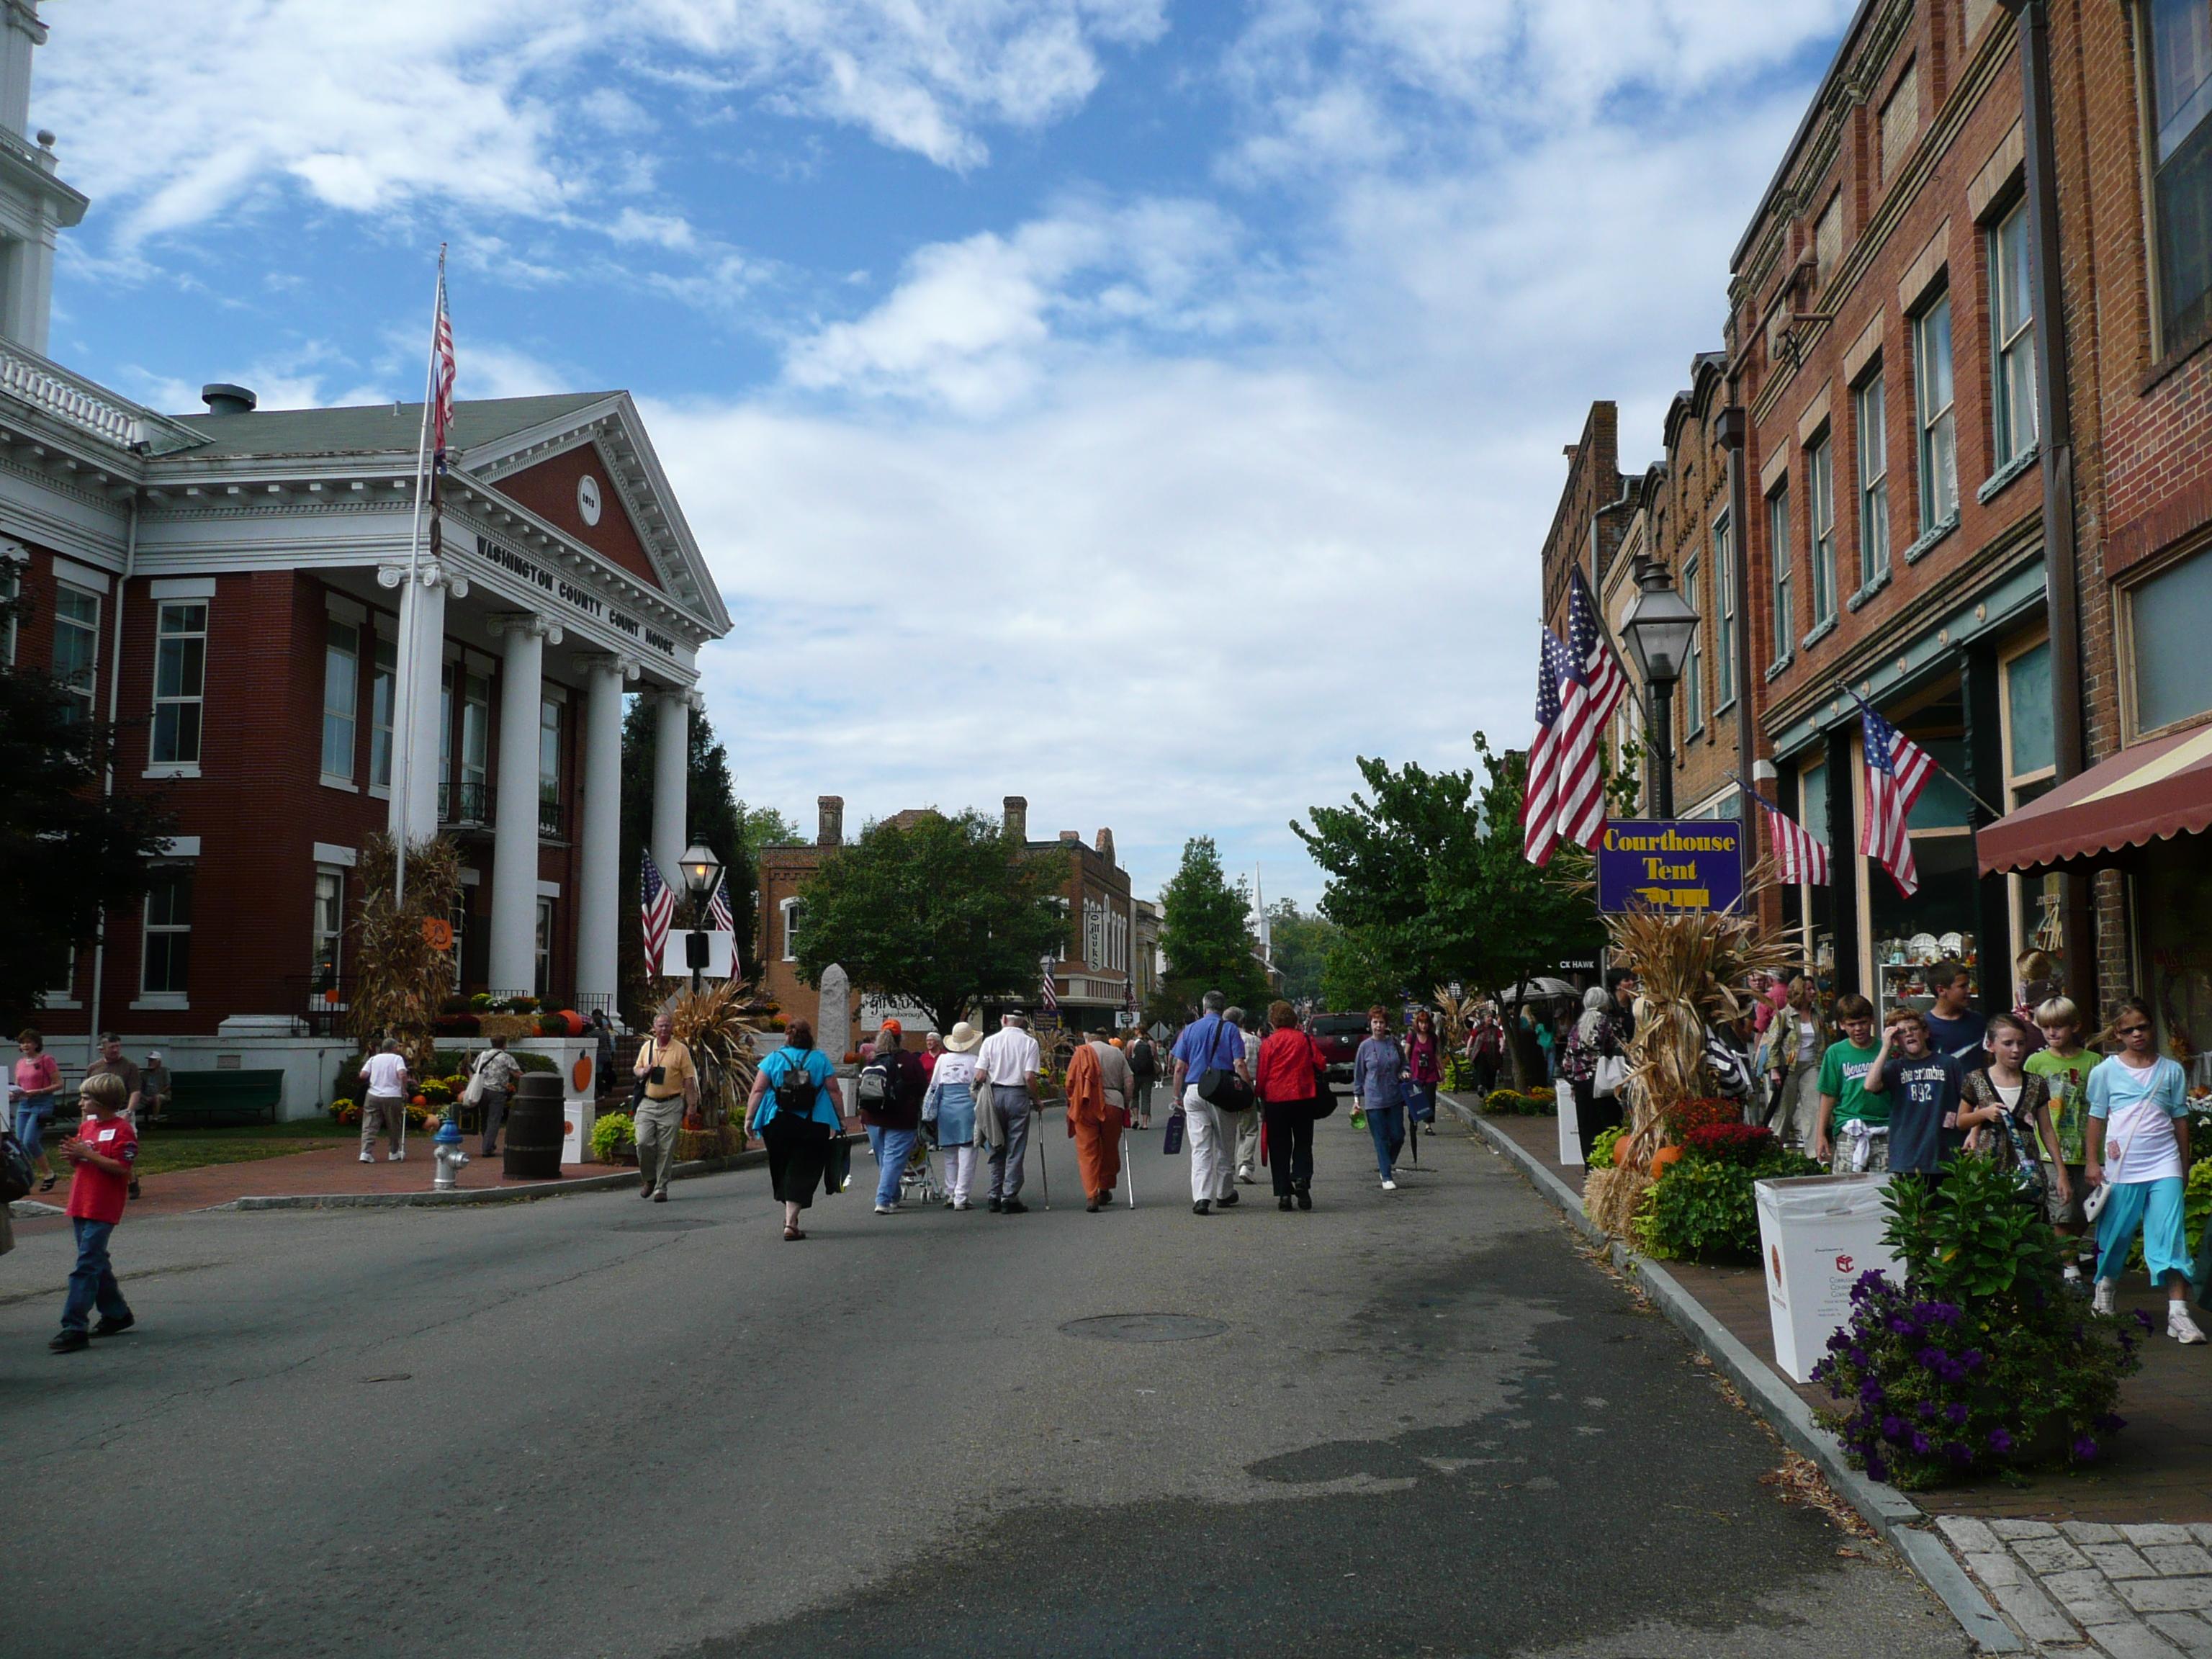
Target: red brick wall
[(549, 489)]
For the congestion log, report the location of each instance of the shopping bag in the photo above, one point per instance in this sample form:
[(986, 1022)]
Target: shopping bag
[(1359, 1117), (1171, 1142)]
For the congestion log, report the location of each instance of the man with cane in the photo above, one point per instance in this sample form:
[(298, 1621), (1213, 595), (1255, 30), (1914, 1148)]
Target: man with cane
[(1010, 1061)]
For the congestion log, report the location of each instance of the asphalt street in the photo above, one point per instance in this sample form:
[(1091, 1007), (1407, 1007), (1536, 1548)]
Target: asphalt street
[(1409, 1423)]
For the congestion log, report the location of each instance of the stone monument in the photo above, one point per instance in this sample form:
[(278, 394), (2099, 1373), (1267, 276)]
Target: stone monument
[(833, 1020)]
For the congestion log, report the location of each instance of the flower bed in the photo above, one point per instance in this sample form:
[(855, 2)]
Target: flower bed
[(1510, 1102)]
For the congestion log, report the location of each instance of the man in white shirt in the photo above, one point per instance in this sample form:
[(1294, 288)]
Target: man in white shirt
[(1010, 1059), (385, 1073)]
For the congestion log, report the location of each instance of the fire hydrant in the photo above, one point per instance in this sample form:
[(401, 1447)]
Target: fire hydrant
[(447, 1157)]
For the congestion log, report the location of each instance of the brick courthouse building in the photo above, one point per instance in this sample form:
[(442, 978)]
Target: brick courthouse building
[(227, 586), (1955, 454)]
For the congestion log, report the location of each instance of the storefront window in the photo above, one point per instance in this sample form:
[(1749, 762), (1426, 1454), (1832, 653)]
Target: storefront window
[(2170, 617), (2173, 905)]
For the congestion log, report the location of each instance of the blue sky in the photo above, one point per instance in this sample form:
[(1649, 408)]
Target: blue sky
[(1144, 407)]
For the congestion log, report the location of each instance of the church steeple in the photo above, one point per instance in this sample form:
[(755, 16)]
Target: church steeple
[(34, 203)]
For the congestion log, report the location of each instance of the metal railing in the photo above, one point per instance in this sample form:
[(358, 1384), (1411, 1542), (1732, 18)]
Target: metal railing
[(550, 817), (467, 803)]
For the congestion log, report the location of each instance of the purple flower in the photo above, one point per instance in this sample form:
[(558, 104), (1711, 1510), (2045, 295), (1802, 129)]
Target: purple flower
[(1947, 1312), (1919, 1444), (1955, 1412), (1876, 1469), (1838, 1342), (1892, 1427), (1973, 1359), (2142, 1319), (1958, 1453), (1933, 1359), (1870, 1392), (1859, 1356), (2085, 1448), (1999, 1440), (1926, 1409), (1903, 1326)]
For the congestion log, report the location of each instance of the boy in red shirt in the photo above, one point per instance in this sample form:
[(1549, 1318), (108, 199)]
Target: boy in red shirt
[(103, 1151)]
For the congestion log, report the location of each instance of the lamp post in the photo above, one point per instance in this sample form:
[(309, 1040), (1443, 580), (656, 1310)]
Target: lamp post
[(701, 869), (1657, 630)]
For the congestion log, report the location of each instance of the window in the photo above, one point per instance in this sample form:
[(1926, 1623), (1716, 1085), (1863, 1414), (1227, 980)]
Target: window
[(1869, 412), (383, 686), (165, 961), (2170, 617), (1725, 610), (1939, 434), (77, 646), (1828, 237), (476, 748), (2012, 319), (544, 986), (1693, 666), (2176, 83), (790, 909), (1820, 503), (179, 681), (341, 697), (1778, 540), (549, 767), (329, 927), (11, 584), (1900, 121)]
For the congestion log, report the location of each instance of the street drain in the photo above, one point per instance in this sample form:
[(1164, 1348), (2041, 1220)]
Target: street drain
[(674, 1224), (1145, 1327)]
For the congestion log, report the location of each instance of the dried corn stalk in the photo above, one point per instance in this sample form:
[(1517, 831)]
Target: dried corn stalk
[(718, 1027), (401, 977)]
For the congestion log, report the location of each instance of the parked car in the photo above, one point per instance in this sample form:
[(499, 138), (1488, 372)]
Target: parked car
[(1337, 1036)]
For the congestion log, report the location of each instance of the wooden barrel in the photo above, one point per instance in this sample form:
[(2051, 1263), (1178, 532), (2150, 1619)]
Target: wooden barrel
[(533, 1128)]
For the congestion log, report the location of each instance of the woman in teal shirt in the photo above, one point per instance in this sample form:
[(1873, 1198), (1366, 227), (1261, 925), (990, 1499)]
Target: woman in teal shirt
[(798, 1141)]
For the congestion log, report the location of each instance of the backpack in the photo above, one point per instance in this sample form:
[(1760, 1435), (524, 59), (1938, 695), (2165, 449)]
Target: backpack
[(14, 1169), (794, 1087), (1142, 1061), (878, 1086)]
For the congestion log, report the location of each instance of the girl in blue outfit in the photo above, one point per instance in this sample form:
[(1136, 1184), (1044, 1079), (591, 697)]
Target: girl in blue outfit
[(798, 1138), (2138, 1146)]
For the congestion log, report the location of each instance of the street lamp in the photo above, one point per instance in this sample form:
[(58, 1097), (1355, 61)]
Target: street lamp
[(701, 869), (1658, 629)]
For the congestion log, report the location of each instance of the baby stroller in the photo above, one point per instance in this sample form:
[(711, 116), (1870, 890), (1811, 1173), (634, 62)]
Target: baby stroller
[(918, 1184)]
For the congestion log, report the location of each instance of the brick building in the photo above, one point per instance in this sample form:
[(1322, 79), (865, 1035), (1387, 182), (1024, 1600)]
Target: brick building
[(1092, 979), (242, 591)]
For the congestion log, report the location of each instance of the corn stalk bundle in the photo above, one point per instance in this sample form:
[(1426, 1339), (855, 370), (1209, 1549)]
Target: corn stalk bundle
[(1692, 971), (400, 977), (1455, 1019), (718, 1026)]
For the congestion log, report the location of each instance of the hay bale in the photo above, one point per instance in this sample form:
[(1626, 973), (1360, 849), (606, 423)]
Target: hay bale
[(1610, 1197)]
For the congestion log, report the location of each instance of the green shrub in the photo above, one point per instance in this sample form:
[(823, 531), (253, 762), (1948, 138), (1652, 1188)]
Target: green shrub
[(613, 1135), (1541, 1104), (1708, 1206), (1983, 1359), (1602, 1146)]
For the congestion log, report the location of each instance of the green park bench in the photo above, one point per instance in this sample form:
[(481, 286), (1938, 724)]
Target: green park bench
[(203, 1096)]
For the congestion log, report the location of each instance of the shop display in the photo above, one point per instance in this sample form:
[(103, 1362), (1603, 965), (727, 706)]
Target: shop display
[(1907, 962)]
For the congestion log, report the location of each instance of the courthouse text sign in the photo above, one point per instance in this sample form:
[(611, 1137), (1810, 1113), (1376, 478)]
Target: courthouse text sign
[(1682, 864)]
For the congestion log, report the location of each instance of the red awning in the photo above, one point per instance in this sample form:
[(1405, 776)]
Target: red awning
[(2149, 792)]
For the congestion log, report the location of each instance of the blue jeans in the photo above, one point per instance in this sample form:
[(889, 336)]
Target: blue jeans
[(32, 1113), (91, 1281), (892, 1148), (1387, 1124)]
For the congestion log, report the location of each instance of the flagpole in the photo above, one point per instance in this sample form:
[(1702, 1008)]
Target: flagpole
[(404, 667), (1964, 789)]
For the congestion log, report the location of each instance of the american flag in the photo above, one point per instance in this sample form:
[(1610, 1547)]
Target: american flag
[(1577, 787), (657, 910), (441, 372), (1603, 674), (1540, 831), (1050, 999), (718, 908), (1897, 770), (1798, 856)]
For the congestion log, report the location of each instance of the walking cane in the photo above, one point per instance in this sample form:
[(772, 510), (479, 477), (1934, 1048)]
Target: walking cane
[(1044, 1163), (1129, 1169)]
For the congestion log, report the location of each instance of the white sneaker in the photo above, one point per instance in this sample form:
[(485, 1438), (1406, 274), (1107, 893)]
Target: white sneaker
[(887, 1209), (1246, 1176), (368, 1157), (396, 1157), (1389, 1185), (2073, 1275), (2179, 1326), (2102, 1301)]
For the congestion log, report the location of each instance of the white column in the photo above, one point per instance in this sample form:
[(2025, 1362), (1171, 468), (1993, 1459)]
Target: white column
[(418, 707), (671, 782), (599, 907), (515, 834)]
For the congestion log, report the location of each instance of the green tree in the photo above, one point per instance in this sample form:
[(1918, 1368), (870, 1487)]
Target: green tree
[(1355, 977), (69, 853), (1301, 942), (1204, 935), (765, 826), (942, 911), (713, 814)]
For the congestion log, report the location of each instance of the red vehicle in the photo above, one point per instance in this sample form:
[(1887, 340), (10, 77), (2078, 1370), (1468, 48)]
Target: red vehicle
[(1337, 1036)]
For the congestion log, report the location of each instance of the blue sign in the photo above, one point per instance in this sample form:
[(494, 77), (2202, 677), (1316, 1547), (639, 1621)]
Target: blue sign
[(1675, 864)]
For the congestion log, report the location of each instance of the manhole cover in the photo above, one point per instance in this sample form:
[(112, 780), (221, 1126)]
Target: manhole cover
[(674, 1224), (1145, 1327)]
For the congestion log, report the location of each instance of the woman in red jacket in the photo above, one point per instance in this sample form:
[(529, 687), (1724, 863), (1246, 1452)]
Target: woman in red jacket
[(1287, 1081)]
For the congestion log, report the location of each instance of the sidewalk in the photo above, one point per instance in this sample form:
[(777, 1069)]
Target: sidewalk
[(2117, 1559)]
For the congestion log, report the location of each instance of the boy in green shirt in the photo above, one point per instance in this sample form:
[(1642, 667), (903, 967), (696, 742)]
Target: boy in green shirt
[(2067, 1065), (1852, 1136)]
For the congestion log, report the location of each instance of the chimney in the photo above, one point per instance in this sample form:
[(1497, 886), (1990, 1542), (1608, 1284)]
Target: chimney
[(1105, 845), (1017, 817), (829, 826), (1071, 838), (224, 398)]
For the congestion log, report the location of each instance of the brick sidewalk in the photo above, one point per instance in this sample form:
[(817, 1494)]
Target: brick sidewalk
[(2158, 1471)]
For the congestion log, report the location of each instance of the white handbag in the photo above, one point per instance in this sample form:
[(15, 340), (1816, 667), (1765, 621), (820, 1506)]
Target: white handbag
[(1612, 1072)]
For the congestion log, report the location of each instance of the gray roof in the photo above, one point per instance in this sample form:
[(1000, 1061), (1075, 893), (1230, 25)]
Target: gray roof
[(373, 428)]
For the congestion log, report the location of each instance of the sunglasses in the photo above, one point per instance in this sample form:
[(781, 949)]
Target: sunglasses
[(2129, 1031)]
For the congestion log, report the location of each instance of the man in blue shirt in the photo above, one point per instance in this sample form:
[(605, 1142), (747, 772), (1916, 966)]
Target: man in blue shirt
[(1923, 1086), (1210, 1043)]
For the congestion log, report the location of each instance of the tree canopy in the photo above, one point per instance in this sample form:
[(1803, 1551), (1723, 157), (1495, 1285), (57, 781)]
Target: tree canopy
[(68, 852), (1427, 880), (1301, 942), (942, 911), (1204, 934)]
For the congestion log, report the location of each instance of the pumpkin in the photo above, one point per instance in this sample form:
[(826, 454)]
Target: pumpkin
[(581, 1074), (422, 1100), (1664, 1159), (1620, 1152), (574, 1021)]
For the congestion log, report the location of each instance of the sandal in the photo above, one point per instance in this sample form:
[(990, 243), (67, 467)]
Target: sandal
[(47, 1185), (792, 1234)]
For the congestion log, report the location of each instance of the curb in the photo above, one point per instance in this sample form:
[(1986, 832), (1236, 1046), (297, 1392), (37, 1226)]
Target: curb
[(468, 1197), (1899, 1521)]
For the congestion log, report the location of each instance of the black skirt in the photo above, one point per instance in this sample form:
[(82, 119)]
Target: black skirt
[(797, 1155)]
